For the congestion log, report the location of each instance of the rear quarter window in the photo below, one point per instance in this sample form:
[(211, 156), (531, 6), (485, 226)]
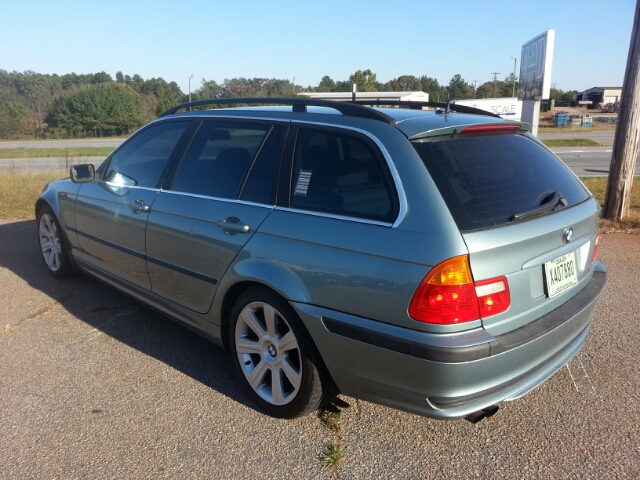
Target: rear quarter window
[(343, 174), (485, 180)]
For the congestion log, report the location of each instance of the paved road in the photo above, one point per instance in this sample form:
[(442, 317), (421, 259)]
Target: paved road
[(94, 385), (590, 161)]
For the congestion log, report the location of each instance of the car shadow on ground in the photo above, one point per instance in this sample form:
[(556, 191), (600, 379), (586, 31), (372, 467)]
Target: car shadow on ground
[(119, 316)]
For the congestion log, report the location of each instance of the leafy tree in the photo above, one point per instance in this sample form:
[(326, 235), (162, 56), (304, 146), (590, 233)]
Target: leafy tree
[(96, 110), (119, 77), (458, 88), (561, 95), (14, 120), (485, 90), (326, 85), (101, 77), (208, 89), (437, 92), (365, 81), (507, 87), (343, 86), (404, 83)]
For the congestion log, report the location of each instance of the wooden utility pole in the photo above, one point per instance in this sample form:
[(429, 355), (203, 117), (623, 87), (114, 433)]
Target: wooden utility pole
[(495, 78), (626, 140)]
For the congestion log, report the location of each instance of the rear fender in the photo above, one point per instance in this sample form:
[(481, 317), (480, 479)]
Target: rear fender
[(249, 271)]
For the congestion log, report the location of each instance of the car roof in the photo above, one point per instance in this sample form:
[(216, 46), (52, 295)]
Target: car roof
[(413, 122)]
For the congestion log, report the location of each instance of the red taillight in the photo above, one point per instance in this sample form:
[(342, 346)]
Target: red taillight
[(448, 295), (492, 129), (595, 248), (493, 296)]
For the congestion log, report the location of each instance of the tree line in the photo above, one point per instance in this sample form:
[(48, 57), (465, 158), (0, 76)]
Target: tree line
[(34, 105)]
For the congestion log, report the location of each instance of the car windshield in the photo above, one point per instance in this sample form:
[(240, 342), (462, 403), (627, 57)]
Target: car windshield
[(492, 180)]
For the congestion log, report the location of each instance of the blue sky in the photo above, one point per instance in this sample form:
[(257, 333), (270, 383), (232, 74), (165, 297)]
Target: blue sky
[(304, 41)]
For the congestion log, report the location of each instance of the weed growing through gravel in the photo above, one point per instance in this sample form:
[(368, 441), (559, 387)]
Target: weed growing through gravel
[(333, 455), (331, 417)]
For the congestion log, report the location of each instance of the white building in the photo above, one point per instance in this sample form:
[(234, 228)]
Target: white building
[(599, 96), (371, 96)]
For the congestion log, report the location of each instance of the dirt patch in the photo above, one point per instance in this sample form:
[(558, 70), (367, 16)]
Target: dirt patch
[(546, 118)]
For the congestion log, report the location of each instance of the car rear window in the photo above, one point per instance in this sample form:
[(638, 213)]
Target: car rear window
[(485, 180)]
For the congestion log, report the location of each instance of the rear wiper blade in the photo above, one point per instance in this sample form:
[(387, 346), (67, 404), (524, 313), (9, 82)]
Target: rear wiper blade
[(553, 201)]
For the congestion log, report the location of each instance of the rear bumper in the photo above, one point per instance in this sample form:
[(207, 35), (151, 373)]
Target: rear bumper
[(449, 376)]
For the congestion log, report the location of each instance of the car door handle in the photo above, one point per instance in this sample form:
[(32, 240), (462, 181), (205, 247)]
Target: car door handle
[(232, 225), (138, 206)]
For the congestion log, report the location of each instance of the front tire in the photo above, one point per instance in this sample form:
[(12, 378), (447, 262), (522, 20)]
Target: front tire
[(275, 357), (53, 248)]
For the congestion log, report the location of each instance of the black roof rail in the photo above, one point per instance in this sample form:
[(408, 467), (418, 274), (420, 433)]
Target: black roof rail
[(299, 105), (417, 105)]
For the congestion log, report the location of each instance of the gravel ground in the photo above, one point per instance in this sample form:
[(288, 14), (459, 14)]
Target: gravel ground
[(94, 385)]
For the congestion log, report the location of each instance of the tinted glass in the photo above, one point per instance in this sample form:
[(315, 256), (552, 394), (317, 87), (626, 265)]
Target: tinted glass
[(219, 158), (341, 174), (141, 160), (486, 180), (260, 185)]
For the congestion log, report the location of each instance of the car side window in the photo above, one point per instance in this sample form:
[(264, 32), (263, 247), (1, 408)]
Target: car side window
[(260, 184), (141, 160), (341, 174), (219, 158)]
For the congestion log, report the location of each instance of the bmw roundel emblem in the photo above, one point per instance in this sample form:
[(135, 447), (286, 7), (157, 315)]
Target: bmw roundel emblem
[(567, 235)]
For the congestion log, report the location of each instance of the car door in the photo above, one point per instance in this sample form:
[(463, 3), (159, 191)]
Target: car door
[(218, 196), (112, 212)]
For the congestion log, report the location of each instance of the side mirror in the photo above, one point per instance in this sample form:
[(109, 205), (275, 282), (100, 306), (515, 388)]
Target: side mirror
[(82, 173)]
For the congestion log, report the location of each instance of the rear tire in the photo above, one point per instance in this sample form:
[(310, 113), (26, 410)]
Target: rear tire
[(275, 356), (53, 248)]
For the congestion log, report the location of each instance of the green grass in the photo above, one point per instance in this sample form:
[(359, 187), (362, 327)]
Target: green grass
[(332, 456), (55, 152), (571, 142), (331, 417)]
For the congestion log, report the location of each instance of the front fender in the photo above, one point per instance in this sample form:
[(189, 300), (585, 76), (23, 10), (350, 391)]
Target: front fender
[(61, 196)]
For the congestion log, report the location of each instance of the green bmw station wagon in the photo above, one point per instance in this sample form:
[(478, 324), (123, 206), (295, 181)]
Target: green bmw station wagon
[(434, 258)]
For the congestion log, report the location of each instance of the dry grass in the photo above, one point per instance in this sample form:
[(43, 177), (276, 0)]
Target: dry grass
[(631, 224), (18, 193)]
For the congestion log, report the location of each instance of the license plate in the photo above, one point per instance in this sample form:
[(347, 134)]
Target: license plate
[(560, 274)]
